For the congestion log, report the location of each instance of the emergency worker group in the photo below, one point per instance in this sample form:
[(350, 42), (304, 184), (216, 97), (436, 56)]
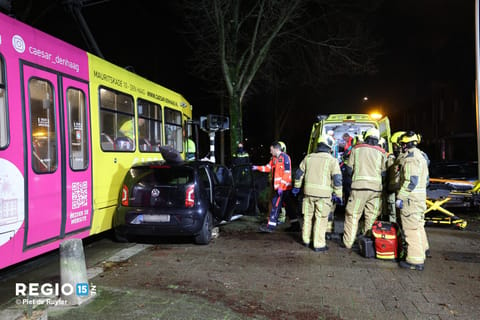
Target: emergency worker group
[(367, 179)]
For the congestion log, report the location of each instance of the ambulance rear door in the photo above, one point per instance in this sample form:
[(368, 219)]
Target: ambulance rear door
[(384, 128), (317, 131)]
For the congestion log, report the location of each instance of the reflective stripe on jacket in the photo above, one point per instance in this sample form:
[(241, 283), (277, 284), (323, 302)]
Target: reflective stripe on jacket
[(281, 168), (322, 175), (368, 167), (413, 176)]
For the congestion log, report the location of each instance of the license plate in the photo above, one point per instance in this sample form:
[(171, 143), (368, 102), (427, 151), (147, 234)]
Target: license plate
[(156, 218)]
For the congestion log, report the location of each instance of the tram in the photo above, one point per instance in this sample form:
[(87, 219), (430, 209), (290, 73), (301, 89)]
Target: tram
[(71, 125)]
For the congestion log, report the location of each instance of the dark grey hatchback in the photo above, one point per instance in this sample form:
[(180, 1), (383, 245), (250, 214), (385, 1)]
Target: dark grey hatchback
[(182, 199)]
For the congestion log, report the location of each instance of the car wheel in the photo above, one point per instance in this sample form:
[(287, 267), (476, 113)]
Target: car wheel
[(205, 234)]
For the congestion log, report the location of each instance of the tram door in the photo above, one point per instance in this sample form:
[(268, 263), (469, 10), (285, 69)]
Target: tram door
[(57, 156)]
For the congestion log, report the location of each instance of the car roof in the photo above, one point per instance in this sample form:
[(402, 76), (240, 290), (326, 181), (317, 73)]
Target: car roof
[(191, 163)]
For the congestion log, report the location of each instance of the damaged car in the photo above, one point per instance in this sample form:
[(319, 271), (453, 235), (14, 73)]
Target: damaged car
[(182, 199)]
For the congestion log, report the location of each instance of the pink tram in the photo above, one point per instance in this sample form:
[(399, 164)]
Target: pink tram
[(51, 131)]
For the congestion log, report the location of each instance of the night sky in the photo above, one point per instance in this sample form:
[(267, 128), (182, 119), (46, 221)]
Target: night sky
[(423, 41)]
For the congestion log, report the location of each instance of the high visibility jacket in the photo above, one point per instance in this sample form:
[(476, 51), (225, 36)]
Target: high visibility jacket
[(281, 169), (127, 129), (322, 175), (240, 158), (191, 147), (413, 176), (367, 163)]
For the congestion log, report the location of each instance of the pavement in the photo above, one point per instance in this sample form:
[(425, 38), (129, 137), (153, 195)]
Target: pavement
[(244, 274)]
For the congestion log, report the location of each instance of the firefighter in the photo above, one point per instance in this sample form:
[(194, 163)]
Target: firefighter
[(367, 167), (281, 168), (322, 186), (393, 175), (411, 200), (331, 216)]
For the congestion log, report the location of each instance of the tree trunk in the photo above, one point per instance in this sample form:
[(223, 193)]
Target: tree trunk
[(236, 131)]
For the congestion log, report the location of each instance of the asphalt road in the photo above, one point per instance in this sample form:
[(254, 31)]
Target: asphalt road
[(244, 274)]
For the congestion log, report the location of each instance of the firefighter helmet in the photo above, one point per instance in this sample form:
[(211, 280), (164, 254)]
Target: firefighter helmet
[(372, 133), (358, 139), (396, 136), (283, 146), (409, 138), (326, 140)]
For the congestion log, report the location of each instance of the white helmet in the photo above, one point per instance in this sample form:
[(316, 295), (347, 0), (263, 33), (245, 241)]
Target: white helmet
[(372, 133), (326, 140)]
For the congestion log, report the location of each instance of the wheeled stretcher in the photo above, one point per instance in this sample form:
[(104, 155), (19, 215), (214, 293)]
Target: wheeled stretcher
[(450, 193), (447, 218)]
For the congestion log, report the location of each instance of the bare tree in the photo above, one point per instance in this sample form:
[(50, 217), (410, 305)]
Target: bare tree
[(234, 39)]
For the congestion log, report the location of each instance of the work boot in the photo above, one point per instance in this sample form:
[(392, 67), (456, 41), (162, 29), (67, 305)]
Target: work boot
[(294, 227), (411, 266), (321, 249), (266, 228)]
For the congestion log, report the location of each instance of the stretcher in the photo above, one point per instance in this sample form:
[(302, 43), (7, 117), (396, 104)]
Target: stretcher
[(449, 193), (447, 218)]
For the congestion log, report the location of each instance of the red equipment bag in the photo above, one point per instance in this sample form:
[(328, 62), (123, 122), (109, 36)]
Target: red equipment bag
[(386, 239)]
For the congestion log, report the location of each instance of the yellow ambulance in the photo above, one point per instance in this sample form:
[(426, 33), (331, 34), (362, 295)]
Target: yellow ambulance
[(338, 125)]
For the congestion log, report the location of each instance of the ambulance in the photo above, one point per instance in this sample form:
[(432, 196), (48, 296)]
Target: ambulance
[(355, 125)]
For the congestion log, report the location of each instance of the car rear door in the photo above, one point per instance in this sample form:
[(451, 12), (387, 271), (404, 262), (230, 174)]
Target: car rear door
[(245, 191), (223, 193)]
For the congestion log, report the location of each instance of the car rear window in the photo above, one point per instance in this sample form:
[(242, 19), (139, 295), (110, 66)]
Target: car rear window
[(164, 175), (160, 186), (171, 176)]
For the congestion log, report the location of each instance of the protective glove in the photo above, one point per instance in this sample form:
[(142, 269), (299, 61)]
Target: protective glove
[(337, 200), (399, 204), (295, 191), (279, 192), (254, 168)]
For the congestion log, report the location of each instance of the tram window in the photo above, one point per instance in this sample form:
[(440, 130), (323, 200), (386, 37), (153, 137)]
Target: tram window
[(3, 107), (43, 130), (116, 121), (149, 126), (77, 127), (173, 129)]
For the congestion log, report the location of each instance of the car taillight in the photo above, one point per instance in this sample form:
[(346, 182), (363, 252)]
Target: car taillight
[(125, 195), (190, 196)]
